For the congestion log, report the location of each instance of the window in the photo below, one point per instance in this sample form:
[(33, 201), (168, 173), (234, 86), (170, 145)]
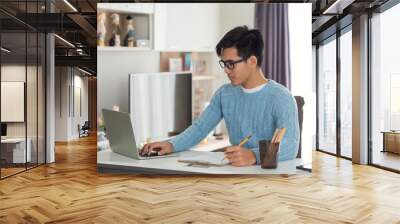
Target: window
[(346, 93), (22, 88), (327, 96), (385, 88)]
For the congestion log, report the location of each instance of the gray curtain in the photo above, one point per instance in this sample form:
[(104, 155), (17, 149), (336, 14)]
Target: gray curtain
[(272, 21)]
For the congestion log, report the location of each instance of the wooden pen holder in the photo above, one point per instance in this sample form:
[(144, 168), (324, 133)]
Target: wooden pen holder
[(269, 154)]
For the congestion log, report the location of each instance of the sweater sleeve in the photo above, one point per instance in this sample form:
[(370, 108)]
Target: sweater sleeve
[(256, 152), (210, 117), (285, 116)]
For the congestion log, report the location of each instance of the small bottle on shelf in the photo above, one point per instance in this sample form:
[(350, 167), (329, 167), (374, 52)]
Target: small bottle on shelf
[(129, 40), (116, 31)]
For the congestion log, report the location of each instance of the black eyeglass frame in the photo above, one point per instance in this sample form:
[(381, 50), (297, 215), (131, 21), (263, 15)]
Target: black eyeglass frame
[(230, 64)]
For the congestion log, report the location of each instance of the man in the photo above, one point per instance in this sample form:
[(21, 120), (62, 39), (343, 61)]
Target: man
[(250, 105)]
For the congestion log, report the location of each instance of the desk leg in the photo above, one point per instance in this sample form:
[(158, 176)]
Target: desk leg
[(304, 168), (384, 142)]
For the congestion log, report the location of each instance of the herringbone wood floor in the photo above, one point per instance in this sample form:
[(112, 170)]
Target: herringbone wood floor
[(71, 191)]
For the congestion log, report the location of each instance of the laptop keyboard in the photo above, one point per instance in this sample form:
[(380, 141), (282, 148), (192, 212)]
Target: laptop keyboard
[(151, 154)]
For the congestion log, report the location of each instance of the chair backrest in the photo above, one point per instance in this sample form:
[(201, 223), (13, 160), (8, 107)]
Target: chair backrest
[(86, 125), (300, 103)]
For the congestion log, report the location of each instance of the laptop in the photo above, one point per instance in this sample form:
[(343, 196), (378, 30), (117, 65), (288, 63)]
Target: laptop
[(120, 135)]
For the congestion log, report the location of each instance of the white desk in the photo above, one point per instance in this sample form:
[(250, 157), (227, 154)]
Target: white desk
[(19, 149), (108, 161)]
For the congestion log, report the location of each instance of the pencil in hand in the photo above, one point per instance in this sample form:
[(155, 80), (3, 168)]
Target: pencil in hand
[(246, 139)]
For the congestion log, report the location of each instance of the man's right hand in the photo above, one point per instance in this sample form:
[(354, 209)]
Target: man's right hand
[(161, 148)]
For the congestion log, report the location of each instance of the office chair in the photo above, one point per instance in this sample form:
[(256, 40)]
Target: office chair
[(300, 104), (84, 130)]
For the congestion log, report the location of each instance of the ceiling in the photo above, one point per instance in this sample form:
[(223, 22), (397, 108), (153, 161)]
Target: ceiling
[(332, 15), (76, 23)]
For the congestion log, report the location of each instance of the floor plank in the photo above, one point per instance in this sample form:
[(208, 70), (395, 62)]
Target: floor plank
[(386, 159), (71, 191)]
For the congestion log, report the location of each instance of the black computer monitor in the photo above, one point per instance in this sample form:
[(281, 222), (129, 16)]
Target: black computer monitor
[(3, 129)]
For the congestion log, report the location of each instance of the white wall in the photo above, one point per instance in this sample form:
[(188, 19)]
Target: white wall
[(236, 14), (113, 69), (231, 16), (79, 117), (302, 79), (61, 103), (66, 121)]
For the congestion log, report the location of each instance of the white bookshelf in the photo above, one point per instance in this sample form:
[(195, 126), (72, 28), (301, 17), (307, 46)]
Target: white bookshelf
[(202, 77), (142, 8), (116, 49)]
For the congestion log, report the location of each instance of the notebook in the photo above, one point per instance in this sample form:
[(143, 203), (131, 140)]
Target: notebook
[(205, 159)]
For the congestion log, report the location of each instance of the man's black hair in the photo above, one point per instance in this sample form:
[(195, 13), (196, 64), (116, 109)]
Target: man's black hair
[(247, 42)]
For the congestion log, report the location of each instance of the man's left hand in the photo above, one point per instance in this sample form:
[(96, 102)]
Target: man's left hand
[(239, 156)]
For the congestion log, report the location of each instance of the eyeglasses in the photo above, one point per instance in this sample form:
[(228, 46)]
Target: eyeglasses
[(229, 64)]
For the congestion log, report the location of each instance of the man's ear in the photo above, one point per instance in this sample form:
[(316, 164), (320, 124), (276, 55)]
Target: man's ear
[(252, 61)]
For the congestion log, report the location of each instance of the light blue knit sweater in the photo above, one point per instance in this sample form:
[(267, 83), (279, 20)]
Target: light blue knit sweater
[(257, 114)]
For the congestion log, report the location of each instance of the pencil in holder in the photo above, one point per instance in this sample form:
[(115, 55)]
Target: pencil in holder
[(269, 154)]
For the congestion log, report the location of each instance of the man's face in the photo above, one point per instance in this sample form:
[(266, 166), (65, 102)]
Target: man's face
[(240, 71)]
